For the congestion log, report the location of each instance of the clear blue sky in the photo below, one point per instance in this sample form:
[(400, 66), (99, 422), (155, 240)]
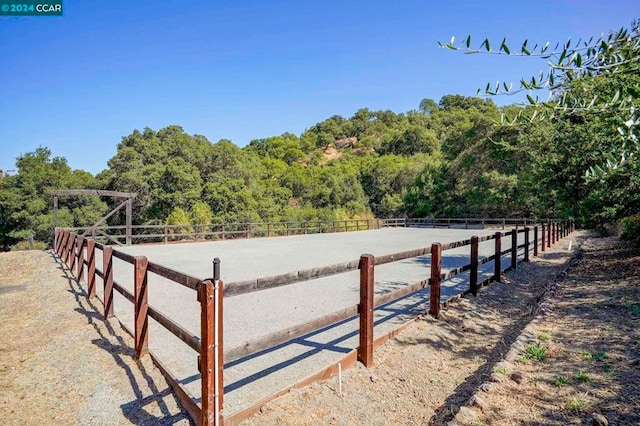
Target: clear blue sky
[(250, 69)]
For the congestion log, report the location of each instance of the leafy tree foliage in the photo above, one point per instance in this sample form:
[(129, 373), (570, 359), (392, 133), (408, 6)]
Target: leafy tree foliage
[(26, 209)]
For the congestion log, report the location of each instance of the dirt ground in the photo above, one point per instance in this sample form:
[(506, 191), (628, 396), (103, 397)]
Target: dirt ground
[(589, 362), (433, 367), (61, 364)]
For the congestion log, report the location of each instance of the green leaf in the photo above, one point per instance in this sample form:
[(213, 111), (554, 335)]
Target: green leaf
[(531, 100), (504, 46), (562, 56), (616, 96), (468, 42)]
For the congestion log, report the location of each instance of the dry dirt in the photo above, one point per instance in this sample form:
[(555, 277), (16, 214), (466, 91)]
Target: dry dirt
[(61, 364), (590, 338), (433, 367)]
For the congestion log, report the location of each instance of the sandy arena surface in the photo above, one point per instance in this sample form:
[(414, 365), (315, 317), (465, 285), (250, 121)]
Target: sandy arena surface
[(253, 315)]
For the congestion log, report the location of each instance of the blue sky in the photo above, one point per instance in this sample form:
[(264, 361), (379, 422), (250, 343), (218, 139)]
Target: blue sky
[(250, 69)]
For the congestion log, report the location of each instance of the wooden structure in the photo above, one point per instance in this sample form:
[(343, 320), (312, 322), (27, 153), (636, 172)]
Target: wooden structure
[(133, 234), (78, 252), (128, 202)]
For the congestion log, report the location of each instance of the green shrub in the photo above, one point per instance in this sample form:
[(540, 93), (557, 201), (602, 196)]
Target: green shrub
[(179, 217), (631, 229)]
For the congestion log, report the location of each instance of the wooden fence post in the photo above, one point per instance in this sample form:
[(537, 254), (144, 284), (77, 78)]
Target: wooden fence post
[(553, 233), (73, 252), (514, 249), (129, 210), (107, 270), (544, 240), (535, 241), (66, 248), (549, 235), (91, 268), (63, 241), (526, 244), (365, 350), (434, 282), (497, 261), (69, 249), (58, 242), (212, 384), (473, 276), (80, 267), (141, 306)]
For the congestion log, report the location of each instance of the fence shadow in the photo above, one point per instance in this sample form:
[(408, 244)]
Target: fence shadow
[(123, 354)]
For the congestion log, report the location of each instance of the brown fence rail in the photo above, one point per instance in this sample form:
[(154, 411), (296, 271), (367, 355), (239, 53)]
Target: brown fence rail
[(70, 248), (138, 234)]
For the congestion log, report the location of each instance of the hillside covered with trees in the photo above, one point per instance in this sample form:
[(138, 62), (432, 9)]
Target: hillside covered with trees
[(448, 158)]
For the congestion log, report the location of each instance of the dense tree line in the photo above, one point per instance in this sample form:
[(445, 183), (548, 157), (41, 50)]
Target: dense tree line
[(446, 158)]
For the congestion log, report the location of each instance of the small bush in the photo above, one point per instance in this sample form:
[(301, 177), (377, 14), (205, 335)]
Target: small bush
[(631, 229), (577, 405), (536, 351), (26, 245), (543, 336), (581, 376), (561, 381)]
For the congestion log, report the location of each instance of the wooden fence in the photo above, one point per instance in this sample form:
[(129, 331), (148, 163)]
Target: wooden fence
[(70, 247), (138, 234)]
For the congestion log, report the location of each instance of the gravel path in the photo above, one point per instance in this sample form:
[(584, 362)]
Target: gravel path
[(61, 364)]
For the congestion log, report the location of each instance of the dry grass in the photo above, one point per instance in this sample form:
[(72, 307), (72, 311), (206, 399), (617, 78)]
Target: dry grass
[(60, 363), (594, 345)]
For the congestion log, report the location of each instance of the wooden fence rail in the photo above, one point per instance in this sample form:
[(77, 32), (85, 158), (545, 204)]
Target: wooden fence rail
[(120, 234), (70, 248)]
